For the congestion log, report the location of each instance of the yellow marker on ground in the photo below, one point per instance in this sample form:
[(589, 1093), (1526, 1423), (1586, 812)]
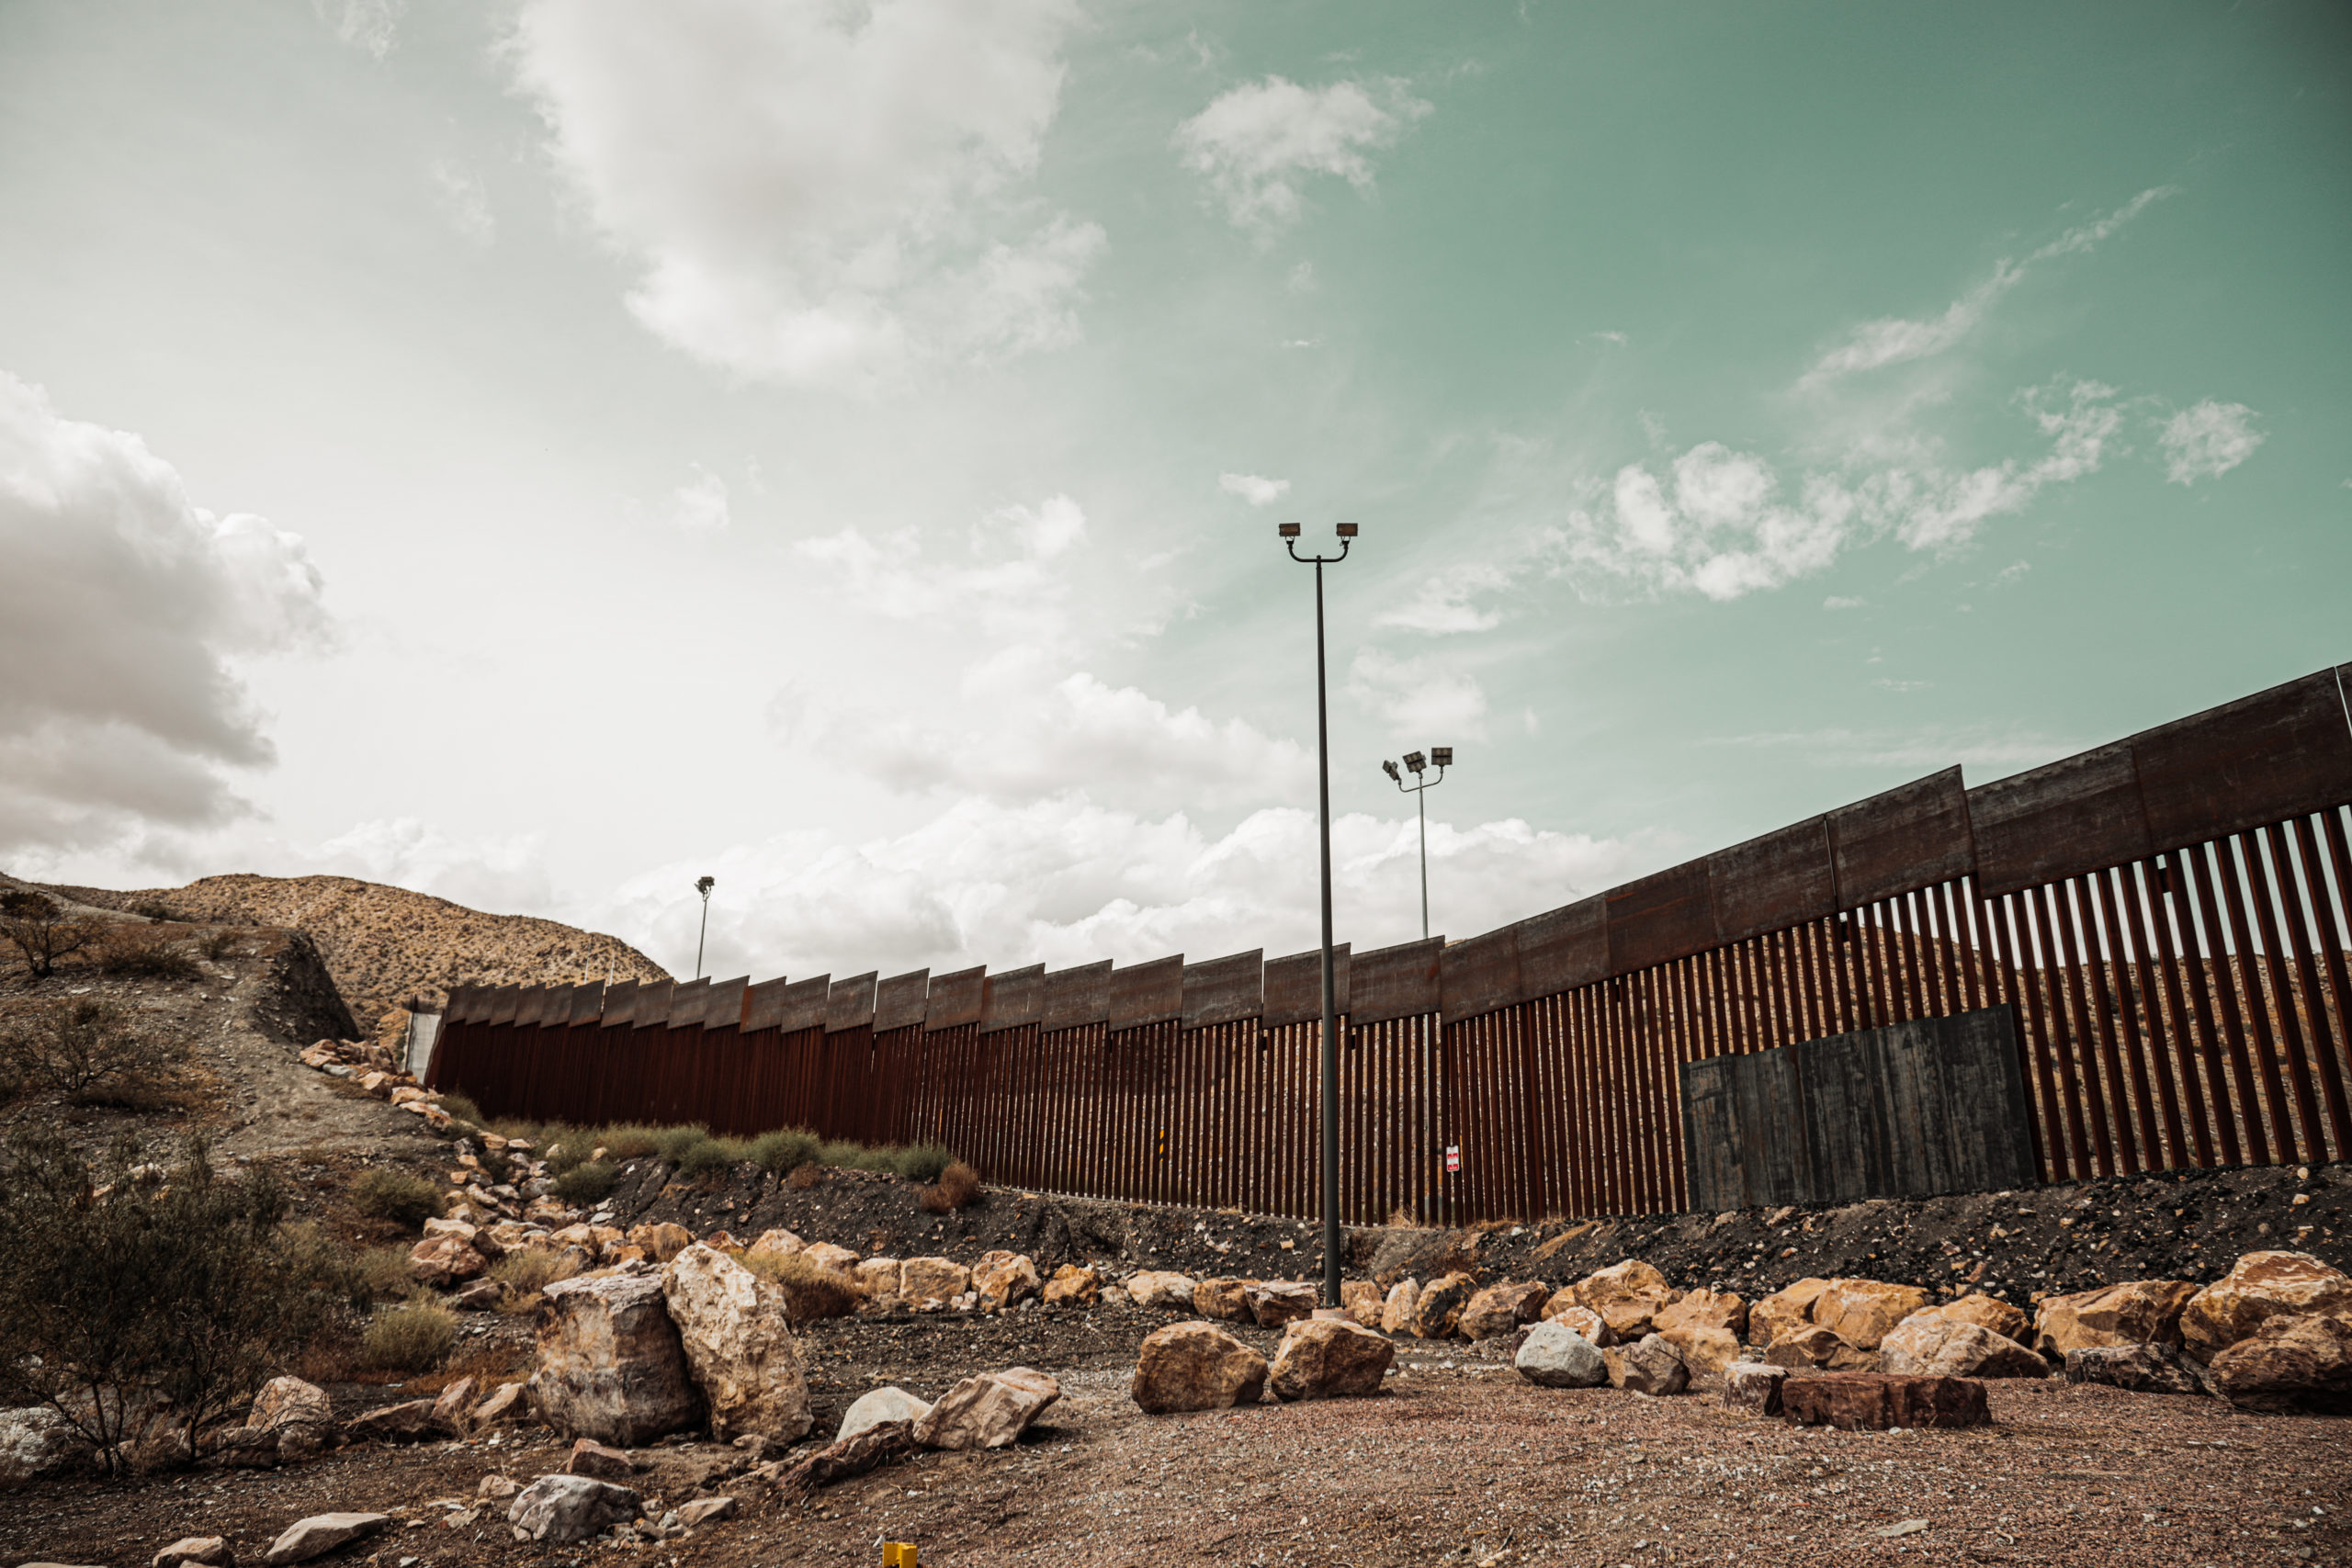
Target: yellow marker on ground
[(898, 1554)]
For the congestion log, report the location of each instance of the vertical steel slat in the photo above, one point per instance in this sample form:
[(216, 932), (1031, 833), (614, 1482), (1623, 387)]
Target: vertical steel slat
[(2151, 1042), (2328, 916), (2266, 892), (2244, 982), (2213, 971), (2189, 975), (2062, 1112), (2100, 999), (2078, 1063)]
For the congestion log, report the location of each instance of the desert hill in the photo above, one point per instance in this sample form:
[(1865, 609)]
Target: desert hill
[(384, 945)]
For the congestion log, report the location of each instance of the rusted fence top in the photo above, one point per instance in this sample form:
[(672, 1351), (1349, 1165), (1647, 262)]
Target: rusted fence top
[(803, 1003), (620, 1004), (764, 1005), (1294, 987), (1145, 993), (1224, 990), (725, 1008), (587, 1003), (849, 1003), (954, 1000), (899, 1001), (1014, 998), (1076, 997), (652, 1004)]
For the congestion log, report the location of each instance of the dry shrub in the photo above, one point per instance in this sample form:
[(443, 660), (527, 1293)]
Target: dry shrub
[(220, 942), (406, 1200), (959, 1187), (94, 1053), (412, 1337), (144, 953), (525, 1272), (585, 1186), (805, 1175), (38, 928), (810, 1290), (384, 1273)]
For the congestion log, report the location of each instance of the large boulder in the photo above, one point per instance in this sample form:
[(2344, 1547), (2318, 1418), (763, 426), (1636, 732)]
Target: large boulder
[(1226, 1300), (296, 1413), (1162, 1289), (1438, 1309), (1708, 1351), (1874, 1401), (1783, 1310), (1329, 1358), (1928, 1345), (877, 1406), (1863, 1311), (987, 1412), (2291, 1364), (932, 1279), (1754, 1386), (1704, 1309), (36, 1442), (1628, 1296), (571, 1509), (843, 1261), (1648, 1365), (1074, 1283), (1397, 1311), (322, 1533), (508, 1401), (1583, 1319), (442, 1261), (2143, 1369), (1273, 1303), (2261, 1286), (611, 1364), (662, 1242), (2137, 1311), (1555, 1356), (1986, 1311), (739, 1345), (1498, 1309), (1813, 1346), (1196, 1366), (877, 1276), (1361, 1300), (1004, 1280)]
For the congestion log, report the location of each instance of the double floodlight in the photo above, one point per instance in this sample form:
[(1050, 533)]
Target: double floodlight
[(1290, 530), (1390, 769)]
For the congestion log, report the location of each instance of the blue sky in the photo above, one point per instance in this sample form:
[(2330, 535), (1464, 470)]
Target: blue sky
[(539, 453)]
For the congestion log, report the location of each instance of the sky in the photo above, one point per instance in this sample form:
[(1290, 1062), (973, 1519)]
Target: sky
[(540, 452)]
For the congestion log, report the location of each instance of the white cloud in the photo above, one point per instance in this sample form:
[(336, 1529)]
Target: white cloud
[(818, 192), (1066, 881), (1418, 699), (368, 25), (1443, 603), (1894, 341), (1258, 142), (2207, 440), (122, 609), (699, 506), (1919, 747), (502, 873), (1011, 584), (1840, 602), (1257, 491), (463, 201)]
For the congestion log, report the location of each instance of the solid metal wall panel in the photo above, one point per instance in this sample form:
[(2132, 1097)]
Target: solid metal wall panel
[(1225, 990), (588, 1002), (804, 1004), (1149, 992), (1012, 998), (620, 1004), (764, 1005), (725, 1008), (1659, 918), (1294, 987), (502, 1003), (954, 1000), (652, 1004), (555, 1007), (899, 1000), (1912, 836), (849, 1003), (1743, 1132), (1562, 948), (1479, 976), (2280, 753), (1768, 884), (1078, 996), (687, 1000), (528, 1004), (1394, 982), (2077, 814)]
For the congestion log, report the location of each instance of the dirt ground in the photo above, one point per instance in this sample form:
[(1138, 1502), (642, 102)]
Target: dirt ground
[(1460, 1461)]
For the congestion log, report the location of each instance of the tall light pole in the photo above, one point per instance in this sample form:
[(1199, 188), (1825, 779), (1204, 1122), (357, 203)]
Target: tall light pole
[(703, 886), (1347, 531), (1442, 756)]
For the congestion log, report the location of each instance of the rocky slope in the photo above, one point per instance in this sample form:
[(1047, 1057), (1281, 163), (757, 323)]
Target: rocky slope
[(385, 945)]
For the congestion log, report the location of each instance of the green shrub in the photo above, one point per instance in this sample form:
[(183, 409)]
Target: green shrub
[(462, 1108), (405, 1200), (712, 1155), (842, 1155), (587, 1184), (631, 1141), (922, 1162), (779, 1152), (414, 1338), (673, 1143)]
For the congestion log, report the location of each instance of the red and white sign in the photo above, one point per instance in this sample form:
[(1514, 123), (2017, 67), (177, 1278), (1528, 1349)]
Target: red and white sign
[(1452, 1156)]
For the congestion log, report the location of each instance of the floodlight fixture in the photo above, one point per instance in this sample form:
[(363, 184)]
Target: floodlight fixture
[(1441, 755), (1390, 769), (1443, 758), (1415, 763), (1347, 530), (702, 885), (1287, 530)]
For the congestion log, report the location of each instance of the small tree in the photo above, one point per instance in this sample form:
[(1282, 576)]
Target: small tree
[(87, 1050), (39, 927)]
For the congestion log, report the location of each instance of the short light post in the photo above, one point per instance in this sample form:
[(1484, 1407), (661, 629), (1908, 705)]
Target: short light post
[(703, 886), (1441, 757), (1347, 532)]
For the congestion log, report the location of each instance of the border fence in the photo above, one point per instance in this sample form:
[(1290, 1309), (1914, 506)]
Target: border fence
[(2168, 915)]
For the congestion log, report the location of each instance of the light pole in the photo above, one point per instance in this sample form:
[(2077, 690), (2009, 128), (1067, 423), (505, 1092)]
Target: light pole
[(703, 886), (1347, 531), (1442, 756)]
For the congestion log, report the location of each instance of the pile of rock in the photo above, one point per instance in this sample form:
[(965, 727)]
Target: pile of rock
[(1198, 1366), (373, 1068)]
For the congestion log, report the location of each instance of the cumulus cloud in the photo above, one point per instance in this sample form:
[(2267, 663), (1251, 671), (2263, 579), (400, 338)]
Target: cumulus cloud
[(1716, 522), (1418, 699), (123, 607), (699, 506), (504, 874), (1443, 602), (819, 193), (1011, 580), (1875, 345), (1258, 143), (1257, 491), (1067, 881), (2207, 440)]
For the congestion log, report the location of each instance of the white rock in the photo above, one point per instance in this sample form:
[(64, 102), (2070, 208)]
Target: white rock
[(1555, 1356), (739, 1345), (322, 1533), (877, 1405), (571, 1507)]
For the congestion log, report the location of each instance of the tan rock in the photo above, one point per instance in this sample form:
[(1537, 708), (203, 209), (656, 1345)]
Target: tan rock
[(2137, 1311), (783, 1243), (1704, 1308), (1754, 1386), (1628, 1296), (1330, 1359), (1227, 1301), (1783, 1310), (411, 1421), (440, 1225), (1815, 1345), (1708, 1351), (322, 1533), (508, 1401), (1928, 1345), (2260, 1286), (300, 1413), (739, 1345), (1438, 1309), (1397, 1311), (442, 1261), (588, 1456), (877, 1276), (1648, 1366), (987, 1412), (1074, 1284), (932, 1278), (1500, 1309), (1196, 1366), (1863, 1311), (1988, 1312), (2291, 1364), (1162, 1289), (1362, 1300), (1005, 1282), (876, 1406), (1582, 1319), (201, 1550), (662, 1242), (840, 1259), (453, 1409), (611, 1364), (1273, 1303)]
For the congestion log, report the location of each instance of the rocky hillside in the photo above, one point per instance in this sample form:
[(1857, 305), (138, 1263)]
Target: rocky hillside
[(384, 945)]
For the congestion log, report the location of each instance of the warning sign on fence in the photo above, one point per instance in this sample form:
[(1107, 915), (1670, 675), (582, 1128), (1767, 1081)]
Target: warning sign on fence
[(1452, 1156)]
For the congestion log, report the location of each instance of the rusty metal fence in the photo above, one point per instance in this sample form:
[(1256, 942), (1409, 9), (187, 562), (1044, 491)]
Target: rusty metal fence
[(2170, 915)]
